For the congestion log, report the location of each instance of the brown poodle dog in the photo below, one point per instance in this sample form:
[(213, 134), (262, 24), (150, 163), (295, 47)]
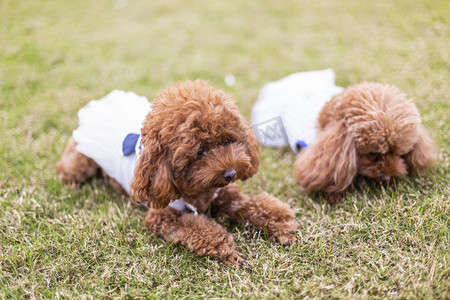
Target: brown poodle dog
[(195, 145), (369, 129)]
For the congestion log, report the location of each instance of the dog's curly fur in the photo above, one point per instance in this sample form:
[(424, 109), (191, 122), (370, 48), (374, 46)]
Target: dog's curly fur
[(194, 134), (369, 129)]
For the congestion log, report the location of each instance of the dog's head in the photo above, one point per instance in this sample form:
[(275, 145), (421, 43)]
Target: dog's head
[(370, 129), (385, 127), (194, 140)]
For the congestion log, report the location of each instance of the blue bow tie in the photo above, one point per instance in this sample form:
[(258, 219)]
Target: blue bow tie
[(129, 144)]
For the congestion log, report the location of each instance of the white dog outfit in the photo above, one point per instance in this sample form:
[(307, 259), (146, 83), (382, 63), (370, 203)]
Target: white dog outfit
[(109, 133), (287, 110)]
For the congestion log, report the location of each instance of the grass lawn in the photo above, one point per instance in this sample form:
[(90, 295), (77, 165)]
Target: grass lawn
[(55, 56)]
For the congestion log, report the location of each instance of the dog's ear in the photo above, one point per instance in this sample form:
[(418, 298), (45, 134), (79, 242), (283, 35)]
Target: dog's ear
[(153, 181), (423, 155), (330, 163), (252, 146)]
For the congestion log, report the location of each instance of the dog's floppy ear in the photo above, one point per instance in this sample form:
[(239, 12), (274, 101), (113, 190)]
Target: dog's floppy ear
[(423, 155), (153, 181), (330, 163)]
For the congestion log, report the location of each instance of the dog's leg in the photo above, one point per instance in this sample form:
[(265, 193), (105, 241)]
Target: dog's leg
[(333, 198), (263, 211), (114, 184), (74, 168), (199, 234)]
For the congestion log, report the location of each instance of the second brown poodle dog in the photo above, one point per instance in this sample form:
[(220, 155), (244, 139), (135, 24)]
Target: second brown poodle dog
[(369, 129), (194, 145)]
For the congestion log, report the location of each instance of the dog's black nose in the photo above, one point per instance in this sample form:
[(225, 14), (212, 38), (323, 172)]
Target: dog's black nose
[(228, 175)]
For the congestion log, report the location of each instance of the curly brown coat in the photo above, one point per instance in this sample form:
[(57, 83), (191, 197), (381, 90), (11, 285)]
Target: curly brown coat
[(369, 129), (194, 142)]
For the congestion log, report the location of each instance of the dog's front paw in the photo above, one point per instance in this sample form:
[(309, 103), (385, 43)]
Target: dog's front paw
[(283, 232), (234, 259), (286, 239), (333, 198)]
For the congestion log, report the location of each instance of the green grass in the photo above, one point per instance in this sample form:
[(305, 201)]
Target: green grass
[(55, 56)]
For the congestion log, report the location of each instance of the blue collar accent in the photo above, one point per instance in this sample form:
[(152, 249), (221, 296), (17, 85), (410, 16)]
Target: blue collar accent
[(300, 145), (129, 143)]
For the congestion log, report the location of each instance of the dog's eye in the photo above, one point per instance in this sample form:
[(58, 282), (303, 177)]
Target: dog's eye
[(200, 152), (227, 142), (376, 156)]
